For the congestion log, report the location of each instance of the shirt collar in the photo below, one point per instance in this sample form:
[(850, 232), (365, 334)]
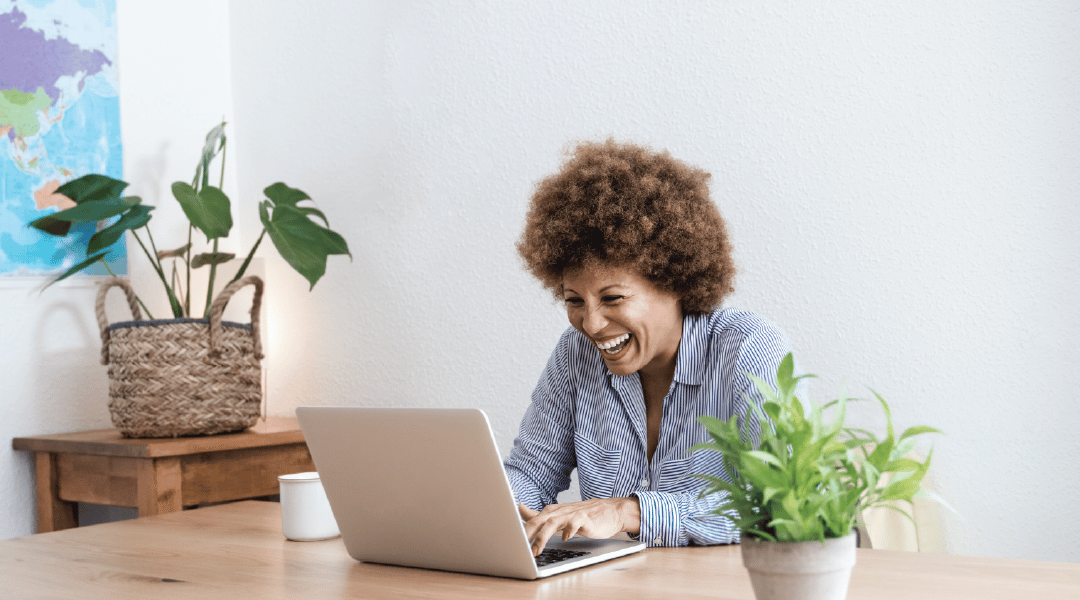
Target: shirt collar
[(689, 366)]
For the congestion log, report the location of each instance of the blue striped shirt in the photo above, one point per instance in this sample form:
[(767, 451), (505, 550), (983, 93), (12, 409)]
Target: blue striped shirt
[(582, 416)]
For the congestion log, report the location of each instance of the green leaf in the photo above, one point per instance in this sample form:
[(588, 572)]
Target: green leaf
[(770, 493), (882, 452), (786, 371), (310, 210), (888, 416), (720, 485), (90, 211), (283, 195), (902, 489), (902, 448), (132, 219), (766, 458), (919, 430), (761, 535), (89, 188), (51, 225), (208, 210), (215, 141), (300, 241), (210, 258), (79, 267), (903, 464), (896, 509), (903, 486), (761, 475), (335, 244), (767, 391), (712, 424)]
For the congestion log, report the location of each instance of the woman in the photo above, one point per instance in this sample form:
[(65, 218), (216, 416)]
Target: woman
[(630, 242)]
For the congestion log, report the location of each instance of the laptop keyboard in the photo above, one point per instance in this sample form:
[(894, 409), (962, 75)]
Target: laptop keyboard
[(550, 557)]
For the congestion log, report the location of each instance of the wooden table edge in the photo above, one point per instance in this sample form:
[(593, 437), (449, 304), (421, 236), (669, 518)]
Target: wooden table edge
[(117, 445)]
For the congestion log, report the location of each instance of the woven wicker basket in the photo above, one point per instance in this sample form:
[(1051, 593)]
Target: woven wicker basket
[(181, 377)]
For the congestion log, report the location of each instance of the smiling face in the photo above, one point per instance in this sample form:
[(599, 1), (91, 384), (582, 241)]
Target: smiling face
[(634, 325)]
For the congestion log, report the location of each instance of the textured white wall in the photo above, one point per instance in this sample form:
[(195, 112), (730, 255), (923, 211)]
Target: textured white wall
[(174, 86), (900, 180)]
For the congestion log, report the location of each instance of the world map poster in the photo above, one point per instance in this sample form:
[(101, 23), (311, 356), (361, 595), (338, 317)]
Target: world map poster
[(59, 119)]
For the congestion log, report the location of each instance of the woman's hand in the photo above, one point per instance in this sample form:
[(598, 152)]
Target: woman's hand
[(597, 518)]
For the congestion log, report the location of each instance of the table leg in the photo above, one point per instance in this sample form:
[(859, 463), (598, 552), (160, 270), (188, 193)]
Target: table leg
[(159, 486), (53, 514)]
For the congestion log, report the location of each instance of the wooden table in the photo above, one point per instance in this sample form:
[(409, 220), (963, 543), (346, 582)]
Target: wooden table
[(236, 551), (160, 475)]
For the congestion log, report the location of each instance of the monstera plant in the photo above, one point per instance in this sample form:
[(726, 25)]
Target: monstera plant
[(299, 231)]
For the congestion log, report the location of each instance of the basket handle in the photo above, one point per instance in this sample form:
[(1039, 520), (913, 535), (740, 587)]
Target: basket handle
[(217, 310), (99, 308)]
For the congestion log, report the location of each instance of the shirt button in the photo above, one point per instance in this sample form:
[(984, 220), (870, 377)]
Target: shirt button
[(644, 483), (656, 541)]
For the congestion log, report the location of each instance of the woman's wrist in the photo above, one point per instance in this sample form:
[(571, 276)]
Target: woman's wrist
[(629, 514)]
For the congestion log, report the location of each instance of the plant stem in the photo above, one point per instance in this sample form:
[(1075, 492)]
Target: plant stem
[(213, 266), (187, 269), (175, 278), (173, 302), (247, 261), (210, 285), (161, 273), (221, 184), (137, 298)]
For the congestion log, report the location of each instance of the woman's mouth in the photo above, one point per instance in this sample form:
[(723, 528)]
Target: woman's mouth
[(615, 345)]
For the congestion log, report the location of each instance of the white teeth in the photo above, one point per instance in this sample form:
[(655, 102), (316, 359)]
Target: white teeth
[(615, 342)]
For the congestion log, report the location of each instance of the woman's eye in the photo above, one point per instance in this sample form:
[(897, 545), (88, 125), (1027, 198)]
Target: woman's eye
[(574, 301), (612, 298)]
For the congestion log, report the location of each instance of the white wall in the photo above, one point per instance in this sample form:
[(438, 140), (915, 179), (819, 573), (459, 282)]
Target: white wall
[(900, 181)]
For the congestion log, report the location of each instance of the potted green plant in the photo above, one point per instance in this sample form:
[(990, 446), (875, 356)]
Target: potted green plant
[(298, 237), (796, 494), (186, 376)]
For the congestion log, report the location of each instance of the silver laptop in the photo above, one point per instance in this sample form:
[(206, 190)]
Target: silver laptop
[(426, 488)]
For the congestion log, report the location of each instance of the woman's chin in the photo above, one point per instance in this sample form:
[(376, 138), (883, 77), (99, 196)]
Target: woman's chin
[(619, 367)]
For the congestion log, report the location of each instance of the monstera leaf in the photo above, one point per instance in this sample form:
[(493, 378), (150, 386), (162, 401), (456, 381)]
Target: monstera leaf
[(132, 219), (89, 188), (302, 242), (208, 209), (88, 211)]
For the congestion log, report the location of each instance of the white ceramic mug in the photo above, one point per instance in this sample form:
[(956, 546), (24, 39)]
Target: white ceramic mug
[(305, 511)]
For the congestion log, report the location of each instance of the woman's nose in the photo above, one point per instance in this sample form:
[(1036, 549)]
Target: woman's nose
[(594, 321)]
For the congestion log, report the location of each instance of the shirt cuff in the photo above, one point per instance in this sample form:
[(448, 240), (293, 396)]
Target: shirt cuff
[(660, 519)]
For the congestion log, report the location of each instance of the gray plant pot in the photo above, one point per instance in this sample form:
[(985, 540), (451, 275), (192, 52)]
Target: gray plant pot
[(800, 570)]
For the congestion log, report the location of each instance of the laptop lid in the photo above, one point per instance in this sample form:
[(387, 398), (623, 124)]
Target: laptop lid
[(426, 488)]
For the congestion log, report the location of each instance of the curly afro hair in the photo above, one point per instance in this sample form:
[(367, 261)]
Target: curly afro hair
[(625, 205)]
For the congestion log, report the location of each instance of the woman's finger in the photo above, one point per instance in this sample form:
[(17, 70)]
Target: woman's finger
[(543, 534), (526, 512), (569, 531)]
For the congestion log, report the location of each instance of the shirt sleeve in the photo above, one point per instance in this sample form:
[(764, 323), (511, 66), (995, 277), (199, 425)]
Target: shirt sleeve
[(543, 457), (682, 518)]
